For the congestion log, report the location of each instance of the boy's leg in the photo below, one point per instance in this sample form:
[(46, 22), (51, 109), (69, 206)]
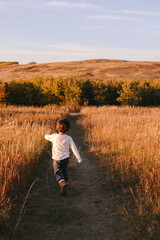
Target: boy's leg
[(64, 165), (58, 171), (61, 174), (64, 184)]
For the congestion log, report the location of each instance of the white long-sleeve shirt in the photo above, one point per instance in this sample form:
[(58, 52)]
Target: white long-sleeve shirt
[(61, 145)]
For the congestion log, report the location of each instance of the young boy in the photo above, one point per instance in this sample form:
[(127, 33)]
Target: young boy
[(61, 145)]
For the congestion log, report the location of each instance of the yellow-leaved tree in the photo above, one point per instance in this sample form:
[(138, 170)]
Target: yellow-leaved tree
[(2, 93)]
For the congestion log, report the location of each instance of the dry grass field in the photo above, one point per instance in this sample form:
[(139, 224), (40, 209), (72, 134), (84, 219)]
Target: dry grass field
[(22, 131), (90, 69), (92, 209), (128, 140)]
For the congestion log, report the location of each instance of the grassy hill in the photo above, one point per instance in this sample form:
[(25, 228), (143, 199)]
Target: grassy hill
[(90, 69)]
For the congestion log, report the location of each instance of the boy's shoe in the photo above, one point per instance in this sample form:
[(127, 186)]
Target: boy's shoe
[(63, 190)]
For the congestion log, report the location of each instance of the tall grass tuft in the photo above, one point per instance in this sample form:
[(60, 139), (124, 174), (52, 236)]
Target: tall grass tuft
[(128, 140), (22, 131)]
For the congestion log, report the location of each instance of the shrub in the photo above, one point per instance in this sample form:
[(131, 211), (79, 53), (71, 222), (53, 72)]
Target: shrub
[(30, 63), (23, 93), (112, 92), (149, 93), (39, 91), (8, 63), (87, 93), (2, 93), (129, 94)]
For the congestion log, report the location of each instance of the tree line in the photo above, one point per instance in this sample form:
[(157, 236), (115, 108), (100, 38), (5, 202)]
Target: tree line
[(40, 91)]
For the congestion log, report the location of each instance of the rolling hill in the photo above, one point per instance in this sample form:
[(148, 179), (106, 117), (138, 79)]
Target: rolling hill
[(90, 69)]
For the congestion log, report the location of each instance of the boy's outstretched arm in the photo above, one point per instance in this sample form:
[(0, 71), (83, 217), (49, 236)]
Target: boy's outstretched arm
[(48, 137), (75, 151)]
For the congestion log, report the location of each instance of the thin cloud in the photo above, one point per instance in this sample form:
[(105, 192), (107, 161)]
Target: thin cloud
[(68, 53), (92, 27), (71, 47), (71, 52), (3, 4), (102, 52), (113, 17), (45, 4), (147, 31), (142, 13), (71, 5), (22, 4)]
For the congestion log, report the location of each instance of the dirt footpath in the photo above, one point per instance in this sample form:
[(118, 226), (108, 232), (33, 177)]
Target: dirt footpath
[(92, 210)]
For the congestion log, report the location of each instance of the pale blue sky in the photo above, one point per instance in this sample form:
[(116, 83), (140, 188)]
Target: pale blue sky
[(68, 30)]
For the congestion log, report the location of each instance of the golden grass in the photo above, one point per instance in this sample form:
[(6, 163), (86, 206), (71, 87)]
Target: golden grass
[(129, 141), (22, 131), (88, 69)]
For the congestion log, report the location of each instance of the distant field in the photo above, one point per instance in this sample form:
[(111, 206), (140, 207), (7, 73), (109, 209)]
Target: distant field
[(90, 69)]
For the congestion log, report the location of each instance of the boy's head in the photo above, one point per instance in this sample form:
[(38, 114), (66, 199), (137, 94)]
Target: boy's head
[(63, 125)]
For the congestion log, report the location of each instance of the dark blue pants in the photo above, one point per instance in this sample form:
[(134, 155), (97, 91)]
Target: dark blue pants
[(61, 169)]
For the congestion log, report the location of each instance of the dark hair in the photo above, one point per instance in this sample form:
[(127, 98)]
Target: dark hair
[(63, 125)]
